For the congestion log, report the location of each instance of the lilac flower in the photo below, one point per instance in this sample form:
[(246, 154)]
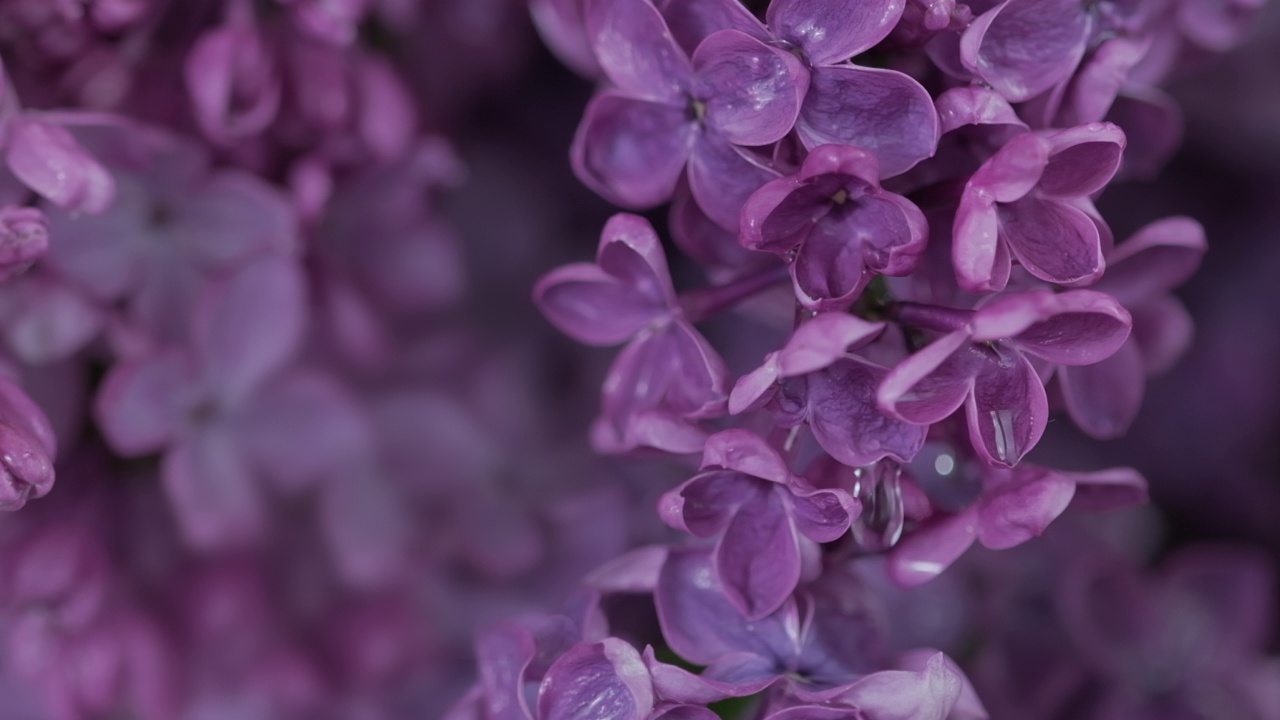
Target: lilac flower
[(45, 157), (981, 364), (1029, 202), (234, 88), (841, 228), (1014, 506), (1104, 398), (765, 518), (845, 104), (814, 380), (27, 448), (671, 109), (667, 375), (197, 404)]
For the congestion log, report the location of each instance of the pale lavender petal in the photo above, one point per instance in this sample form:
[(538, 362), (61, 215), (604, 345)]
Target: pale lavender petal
[(1082, 160), (691, 21), (1104, 398), (1008, 408), (758, 557), (752, 92), (822, 340), (722, 178), (47, 159), (593, 307), (931, 384), (632, 151), (216, 499), (1053, 241), (1024, 47), (139, 406), (849, 425), (250, 325), (849, 105), (745, 452), (832, 32), (635, 49)]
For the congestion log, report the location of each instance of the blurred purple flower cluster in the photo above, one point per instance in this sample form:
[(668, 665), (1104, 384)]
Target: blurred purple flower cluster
[(265, 269)]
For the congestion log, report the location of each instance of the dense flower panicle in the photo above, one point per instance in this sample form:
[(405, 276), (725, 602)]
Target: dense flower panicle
[(264, 302)]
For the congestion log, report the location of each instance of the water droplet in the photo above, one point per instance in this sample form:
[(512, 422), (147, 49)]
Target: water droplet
[(879, 488), (1005, 436)]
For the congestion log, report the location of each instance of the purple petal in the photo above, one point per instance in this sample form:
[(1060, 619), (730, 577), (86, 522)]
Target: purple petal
[(705, 504), (1109, 489), (849, 425), (925, 553), (1008, 408), (849, 105), (607, 680), (1024, 47), (250, 325), (216, 499), (303, 427), (366, 526), (1153, 124), (631, 251), (1163, 329), (752, 92), (139, 406), (636, 51), (1104, 398), (1078, 327), (1013, 171), (632, 151), (1229, 589), (635, 571), (591, 306), (233, 217), (503, 654), (931, 384), (722, 178), (928, 693), (745, 452), (684, 712), (1022, 507), (974, 105), (831, 32), (1100, 79), (758, 558), (822, 340), (562, 26), (823, 515), (830, 269), (1052, 240), (691, 21), (47, 159), (1082, 160), (981, 261), (774, 220), (1159, 257), (46, 320)]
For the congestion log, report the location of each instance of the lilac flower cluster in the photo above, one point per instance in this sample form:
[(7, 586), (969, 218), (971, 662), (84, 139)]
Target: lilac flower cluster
[(923, 178)]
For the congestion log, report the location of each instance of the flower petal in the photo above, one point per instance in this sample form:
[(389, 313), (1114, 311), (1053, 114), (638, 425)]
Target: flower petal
[(1104, 398), (1159, 257), (1024, 47), (139, 406), (691, 21), (1008, 408), (705, 504), (1078, 327), (1052, 240), (849, 425), (722, 178), (47, 159), (822, 340), (632, 151), (591, 306), (848, 105), (218, 503), (758, 558), (752, 91), (1023, 507), (635, 49), (1082, 160), (832, 32), (932, 548), (607, 680), (932, 383)]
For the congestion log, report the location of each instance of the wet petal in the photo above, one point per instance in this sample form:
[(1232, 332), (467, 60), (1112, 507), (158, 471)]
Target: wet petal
[(1078, 327), (722, 177), (982, 263), (635, 49), (853, 105), (931, 549), (1008, 408), (831, 32), (1053, 241), (1023, 507), (745, 452), (823, 515), (632, 151), (704, 505), (752, 91), (925, 693)]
